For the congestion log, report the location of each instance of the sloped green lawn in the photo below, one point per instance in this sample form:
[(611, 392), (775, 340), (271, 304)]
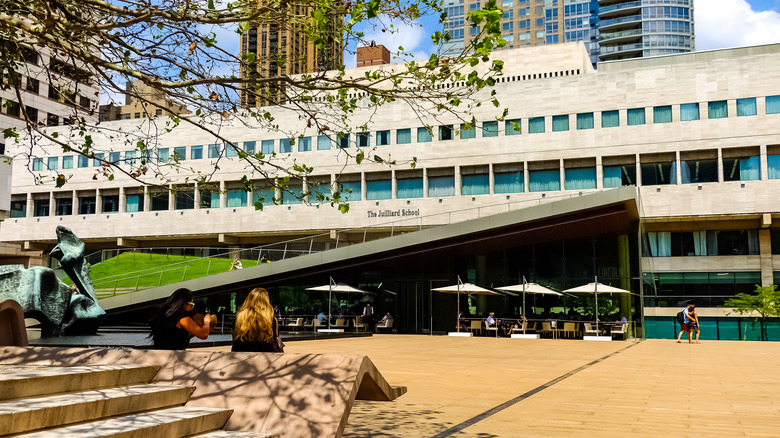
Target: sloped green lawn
[(129, 271)]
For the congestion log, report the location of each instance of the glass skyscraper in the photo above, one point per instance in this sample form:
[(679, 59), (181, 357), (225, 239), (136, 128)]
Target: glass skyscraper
[(610, 29)]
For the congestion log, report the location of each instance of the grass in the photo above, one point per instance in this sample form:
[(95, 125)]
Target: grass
[(130, 270)]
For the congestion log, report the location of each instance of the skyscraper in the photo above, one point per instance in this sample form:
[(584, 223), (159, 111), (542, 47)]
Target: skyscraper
[(282, 48), (610, 29)]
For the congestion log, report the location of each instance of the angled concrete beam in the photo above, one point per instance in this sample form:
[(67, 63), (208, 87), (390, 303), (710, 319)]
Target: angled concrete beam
[(127, 243), (228, 239)]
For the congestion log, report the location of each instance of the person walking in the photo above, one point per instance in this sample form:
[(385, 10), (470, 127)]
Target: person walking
[(685, 324), (256, 326), (694, 322), (173, 325), (368, 316)]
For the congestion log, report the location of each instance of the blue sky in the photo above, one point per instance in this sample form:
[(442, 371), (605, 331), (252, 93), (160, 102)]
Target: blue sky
[(719, 24)]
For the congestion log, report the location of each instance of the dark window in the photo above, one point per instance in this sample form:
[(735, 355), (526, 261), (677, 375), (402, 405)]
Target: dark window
[(63, 206), (159, 201), (12, 108), (86, 205), (53, 120), (18, 208), (445, 132), (84, 102), (658, 173), (54, 93), (185, 200), (682, 244), (33, 85), (32, 113), (699, 171), (110, 204), (41, 207)]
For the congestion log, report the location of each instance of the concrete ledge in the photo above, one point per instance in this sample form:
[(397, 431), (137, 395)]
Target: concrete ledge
[(524, 336), (330, 330), (597, 338), (460, 334)]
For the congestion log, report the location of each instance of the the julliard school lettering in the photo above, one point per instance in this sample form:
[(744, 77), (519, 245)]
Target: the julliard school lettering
[(393, 213)]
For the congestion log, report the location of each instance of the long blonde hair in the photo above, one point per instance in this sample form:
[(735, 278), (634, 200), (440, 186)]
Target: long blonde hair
[(254, 320)]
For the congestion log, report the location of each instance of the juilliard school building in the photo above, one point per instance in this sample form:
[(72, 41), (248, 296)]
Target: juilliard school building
[(658, 175)]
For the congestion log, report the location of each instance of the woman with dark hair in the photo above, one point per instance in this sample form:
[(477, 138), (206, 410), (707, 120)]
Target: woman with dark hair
[(255, 324), (173, 326)]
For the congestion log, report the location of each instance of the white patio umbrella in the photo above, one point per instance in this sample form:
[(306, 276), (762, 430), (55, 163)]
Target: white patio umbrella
[(331, 287), (596, 288), (462, 287), (531, 288)]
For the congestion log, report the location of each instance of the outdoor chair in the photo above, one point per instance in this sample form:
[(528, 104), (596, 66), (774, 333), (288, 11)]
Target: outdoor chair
[(570, 329), (314, 324), (489, 328), (619, 330), (531, 328), (589, 330), (475, 326), (342, 323), (547, 329), (359, 324), (387, 325), (298, 322), (520, 329)]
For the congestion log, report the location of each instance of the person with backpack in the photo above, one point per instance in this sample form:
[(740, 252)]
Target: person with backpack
[(684, 319)]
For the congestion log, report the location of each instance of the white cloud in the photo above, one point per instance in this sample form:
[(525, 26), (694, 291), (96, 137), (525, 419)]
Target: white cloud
[(734, 23)]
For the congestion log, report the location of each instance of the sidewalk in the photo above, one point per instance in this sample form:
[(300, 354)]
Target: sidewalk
[(487, 387)]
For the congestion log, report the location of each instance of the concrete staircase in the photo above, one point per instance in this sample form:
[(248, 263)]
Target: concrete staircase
[(101, 401)]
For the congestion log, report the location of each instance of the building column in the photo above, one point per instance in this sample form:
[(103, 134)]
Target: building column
[(765, 250), (638, 166), (304, 189), (363, 194), (425, 182), (51, 204), (147, 199), (720, 165), (393, 185), (763, 162), (75, 197), (679, 167), (98, 202), (223, 195), (526, 178), (599, 173), (122, 200), (458, 185), (171, 198), (562, 172), (491, 179), (196, 196)]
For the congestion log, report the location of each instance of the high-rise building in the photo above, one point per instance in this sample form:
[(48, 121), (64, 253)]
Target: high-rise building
[(610, 29), (154, 104), (281, 48)]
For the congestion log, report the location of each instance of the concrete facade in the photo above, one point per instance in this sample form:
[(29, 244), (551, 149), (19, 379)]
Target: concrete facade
[(551, 86)]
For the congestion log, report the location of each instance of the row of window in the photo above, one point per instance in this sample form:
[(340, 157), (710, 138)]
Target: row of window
[(701, 243), (560, 123)]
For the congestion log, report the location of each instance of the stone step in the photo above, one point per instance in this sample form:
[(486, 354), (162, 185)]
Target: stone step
[(17, 381), (174, 422), (235, 434), (24, 415)]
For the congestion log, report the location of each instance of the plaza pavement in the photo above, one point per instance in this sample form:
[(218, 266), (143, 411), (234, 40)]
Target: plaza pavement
[(487, 387)]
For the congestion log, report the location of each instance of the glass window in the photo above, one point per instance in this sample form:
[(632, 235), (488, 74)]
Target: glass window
[(41, 207), (180, 153), (742, 169), (63, 206), (717, 110), (585, 121), (98, 160), (560, 123), (323, 143), (135, 203), (18, 209), (382, 138), (184, 200), (475, 184), (350, 191), (363, 139), (689, 111), (196, 152), (110, 203), (67, 162), (616, 176), (403, 136), (236, 198), (580, 178), (163, 155), (267, 147), (343, 141), (662, 114), (441, 186), (319, 191), (508, 182), (114, 157), (409, 188), (424, 135), (215, 150), (250, 147), (468, 133), (512, 127), (536, 125), (610, 119), (37, 164), (544, 180), (773, 104), (376, 190), (286, 145), (656, 174), (83, 161), (746, 107), (130, 157), (231, 149), (636, 116), (87, 205), (699, 171), (490, 129), (773, 166), (264, 196), (445, 132), (293, 194), (159, 201), (304, 144)]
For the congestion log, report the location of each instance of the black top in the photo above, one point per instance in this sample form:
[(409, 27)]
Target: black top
[(256, 346), (172, 338)]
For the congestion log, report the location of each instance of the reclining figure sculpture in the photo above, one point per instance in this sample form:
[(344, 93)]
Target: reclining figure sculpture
[(44, 297)]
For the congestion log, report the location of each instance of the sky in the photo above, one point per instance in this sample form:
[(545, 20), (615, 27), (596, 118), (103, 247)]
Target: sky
[(718, 24)]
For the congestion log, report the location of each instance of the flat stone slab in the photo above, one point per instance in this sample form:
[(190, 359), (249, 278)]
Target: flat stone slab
[(460, 334), (597, 338), (524, 336)]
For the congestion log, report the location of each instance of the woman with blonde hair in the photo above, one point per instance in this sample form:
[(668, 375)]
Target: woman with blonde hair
[(255, 324)]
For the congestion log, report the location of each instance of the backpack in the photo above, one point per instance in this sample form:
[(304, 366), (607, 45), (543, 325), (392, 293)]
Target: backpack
[(680, 317)]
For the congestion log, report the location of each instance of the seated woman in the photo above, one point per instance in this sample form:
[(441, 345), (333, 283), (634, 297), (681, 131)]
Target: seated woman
[(173, 326), (255, 324)]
